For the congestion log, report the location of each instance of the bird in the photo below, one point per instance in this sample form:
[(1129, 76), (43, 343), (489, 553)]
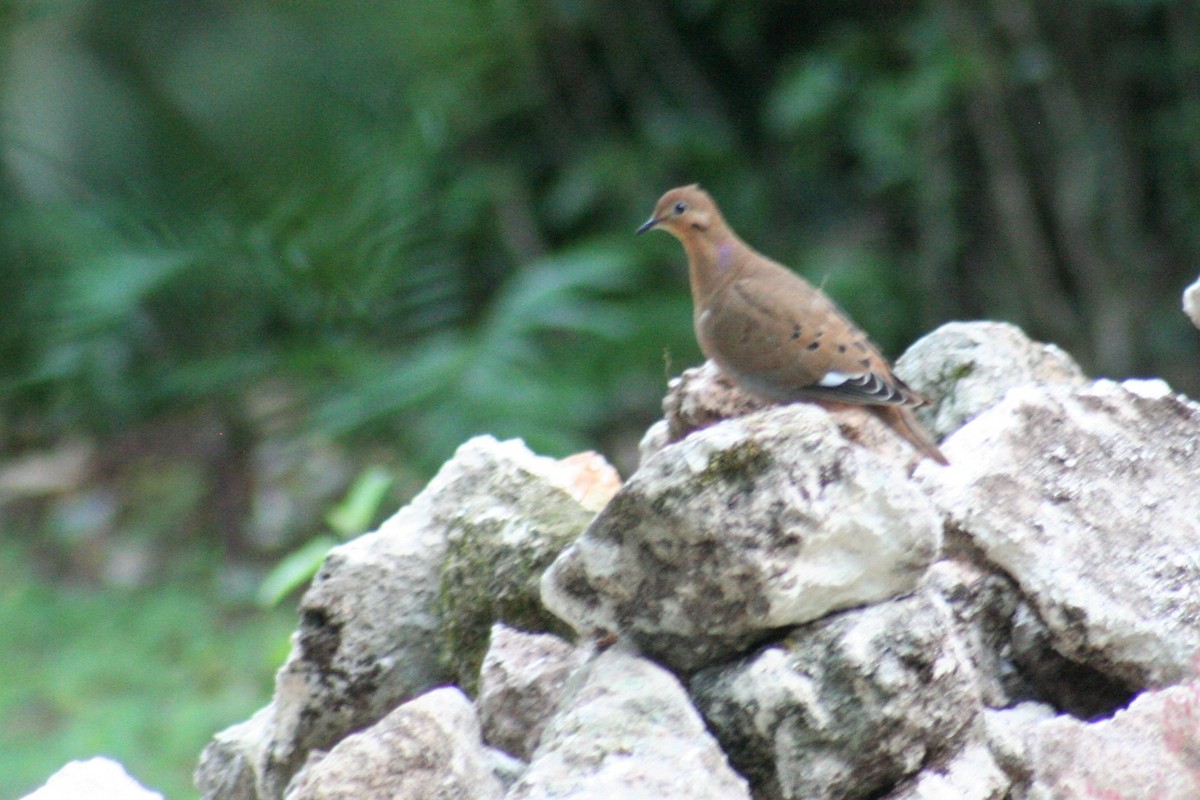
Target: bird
[(774, 333)]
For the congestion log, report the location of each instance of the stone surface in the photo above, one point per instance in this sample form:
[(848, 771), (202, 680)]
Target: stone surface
[(1191, 302), (507, 769), (657, 437), (966, 367), (786, 565), (1086, 498), (428, 748), (377, 622), (1010, 647), (1005, 732), (846, 707), (521, 685), (982, 604), (972, 774), (1149, 750), (230, 764), (1071, 686), (498, 545), (627, 730), (703, 396), (587, 477), (742, 528), (95, 779)]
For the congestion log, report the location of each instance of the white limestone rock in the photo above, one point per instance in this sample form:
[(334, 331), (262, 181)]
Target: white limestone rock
[(1149, 750), (845, 707), (95, 779), (747, 526), (1191, 302), (521, 686), (966, 367), (428, 748), (1087, 499), (627, 730), (390, 615)]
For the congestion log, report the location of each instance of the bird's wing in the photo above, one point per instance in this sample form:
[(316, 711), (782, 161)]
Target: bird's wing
[(780, 337)]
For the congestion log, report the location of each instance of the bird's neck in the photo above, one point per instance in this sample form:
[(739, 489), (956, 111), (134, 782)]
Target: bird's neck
[(714, 258)]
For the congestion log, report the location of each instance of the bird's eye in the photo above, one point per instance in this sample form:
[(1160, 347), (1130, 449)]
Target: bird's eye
[(680, 207)]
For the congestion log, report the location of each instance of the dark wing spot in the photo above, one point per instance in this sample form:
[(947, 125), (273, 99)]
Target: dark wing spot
[(841, 348), (813, 346), (795, 332), (820, 334), (866, 362)]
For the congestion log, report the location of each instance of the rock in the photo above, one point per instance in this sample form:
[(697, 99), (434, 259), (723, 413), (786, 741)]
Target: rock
[(499, 542), (1191, 302), (755, 524), (230, 765), (1070, 686), (972, 774), (588, 478), (369, 632), (95, 779), (1086, 499), (1149, 750), (507, 769), (798, 582), (1005, 731), (657, 437), (703, 396), (966, 367), (847, 706), (377, 621), (627, 730), (982, 604), (427, 749), (1009, 645), (521, 685)]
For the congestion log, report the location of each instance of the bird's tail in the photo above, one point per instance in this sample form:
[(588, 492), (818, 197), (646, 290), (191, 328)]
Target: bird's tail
[(902, 421)]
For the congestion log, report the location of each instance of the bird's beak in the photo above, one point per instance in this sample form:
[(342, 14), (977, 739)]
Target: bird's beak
[(650, 223)]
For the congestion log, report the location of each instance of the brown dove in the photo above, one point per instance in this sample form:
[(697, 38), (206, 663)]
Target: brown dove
[(773, 332)]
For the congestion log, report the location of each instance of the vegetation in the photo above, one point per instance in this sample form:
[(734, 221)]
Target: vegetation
[(144, 677), (263, 246)]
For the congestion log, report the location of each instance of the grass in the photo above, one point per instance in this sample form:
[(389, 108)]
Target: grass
[(144, 676)]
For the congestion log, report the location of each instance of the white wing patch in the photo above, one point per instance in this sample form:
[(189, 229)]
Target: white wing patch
[(861, 387), (835, 378)]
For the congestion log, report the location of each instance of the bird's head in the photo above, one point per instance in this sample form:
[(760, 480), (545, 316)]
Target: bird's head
[(683, 212)]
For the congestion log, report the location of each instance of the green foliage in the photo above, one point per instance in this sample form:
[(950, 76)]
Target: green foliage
[(360, 507), (406, 210), (349, 518), (324, 221), (142, 676), (294, 570)]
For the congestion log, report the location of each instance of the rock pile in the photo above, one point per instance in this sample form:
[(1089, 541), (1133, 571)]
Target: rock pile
[(774, 605)]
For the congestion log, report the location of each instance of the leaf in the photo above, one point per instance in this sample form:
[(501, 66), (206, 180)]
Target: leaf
[(354, 514), (293, 571)]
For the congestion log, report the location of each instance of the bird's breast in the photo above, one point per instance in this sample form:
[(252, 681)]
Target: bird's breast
[(724, 258)]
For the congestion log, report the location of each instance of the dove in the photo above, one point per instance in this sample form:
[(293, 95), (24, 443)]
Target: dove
[(774, 333)]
